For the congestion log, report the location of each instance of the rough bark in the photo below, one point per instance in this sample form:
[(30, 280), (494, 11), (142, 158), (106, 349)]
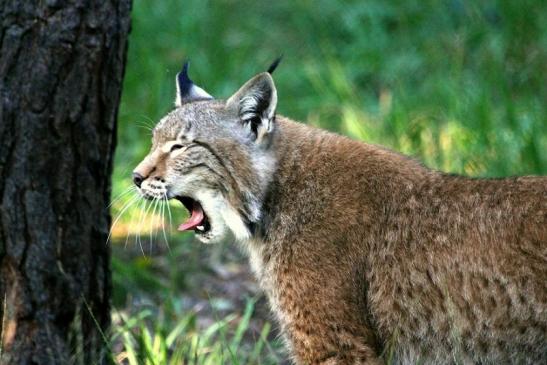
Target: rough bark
[(61, 71)]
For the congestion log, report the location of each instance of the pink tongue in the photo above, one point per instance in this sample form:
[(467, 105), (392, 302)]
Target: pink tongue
[(195, 219)]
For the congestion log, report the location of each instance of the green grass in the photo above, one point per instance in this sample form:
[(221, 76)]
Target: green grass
[(147, 338), (460, 85), (153, 324)]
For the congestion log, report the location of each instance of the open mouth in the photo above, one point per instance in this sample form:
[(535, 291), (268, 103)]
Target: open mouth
[(198, 220)]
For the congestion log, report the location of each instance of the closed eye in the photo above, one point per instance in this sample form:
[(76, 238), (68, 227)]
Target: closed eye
[(175, 147)]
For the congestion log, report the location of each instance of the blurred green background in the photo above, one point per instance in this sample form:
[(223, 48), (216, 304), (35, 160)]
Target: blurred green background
[(460, 85)]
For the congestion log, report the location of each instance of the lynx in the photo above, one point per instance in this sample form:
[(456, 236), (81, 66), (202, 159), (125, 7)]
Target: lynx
[(365, 255)]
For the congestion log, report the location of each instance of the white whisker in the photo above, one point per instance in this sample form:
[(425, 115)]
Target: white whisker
[(131, 224), (163, 203), (160, 213), (147, 210), (152, 221), (125, 207), (121, 195), (150, 121), (141, 219), (145, 127), (169, 211)]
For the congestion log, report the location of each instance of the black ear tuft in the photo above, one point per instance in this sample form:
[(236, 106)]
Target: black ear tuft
[(274, 65), (187, 91), (183, 81)]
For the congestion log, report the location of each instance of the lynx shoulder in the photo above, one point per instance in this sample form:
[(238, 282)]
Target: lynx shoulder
[(363, 253)]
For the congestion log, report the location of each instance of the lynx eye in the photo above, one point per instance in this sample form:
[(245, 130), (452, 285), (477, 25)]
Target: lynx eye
[(175, 147)]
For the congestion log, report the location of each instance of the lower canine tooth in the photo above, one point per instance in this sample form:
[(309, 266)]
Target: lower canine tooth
[(200, 228)]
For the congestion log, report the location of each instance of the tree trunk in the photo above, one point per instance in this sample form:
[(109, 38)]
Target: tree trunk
[(61, 71)]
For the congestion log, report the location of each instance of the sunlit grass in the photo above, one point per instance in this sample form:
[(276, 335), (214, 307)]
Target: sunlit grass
[(146, 339)]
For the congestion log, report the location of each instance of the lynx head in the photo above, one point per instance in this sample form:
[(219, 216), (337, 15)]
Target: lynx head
[(214, 156)]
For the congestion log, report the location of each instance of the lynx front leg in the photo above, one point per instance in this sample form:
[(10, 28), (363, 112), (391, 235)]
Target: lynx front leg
[(344, 350), (324, 322)]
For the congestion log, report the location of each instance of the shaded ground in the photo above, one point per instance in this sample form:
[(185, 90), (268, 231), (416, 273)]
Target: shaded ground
[(212, 281)]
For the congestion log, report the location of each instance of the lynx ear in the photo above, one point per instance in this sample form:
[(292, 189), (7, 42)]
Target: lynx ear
[(255, 104), (187, 91)]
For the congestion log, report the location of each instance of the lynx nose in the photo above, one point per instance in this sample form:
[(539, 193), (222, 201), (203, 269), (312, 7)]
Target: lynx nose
[(137, 179)]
